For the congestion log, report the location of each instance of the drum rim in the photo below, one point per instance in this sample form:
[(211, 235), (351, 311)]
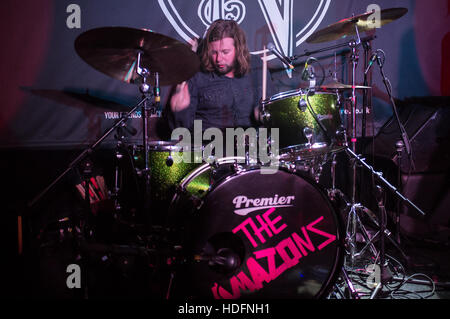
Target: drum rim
[(301, 150), (289, 93), (170, 146)]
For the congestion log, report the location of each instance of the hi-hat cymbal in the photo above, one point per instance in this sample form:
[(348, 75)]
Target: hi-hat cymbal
[(114, 50), (346, 27), (342, 86), (336, 86)]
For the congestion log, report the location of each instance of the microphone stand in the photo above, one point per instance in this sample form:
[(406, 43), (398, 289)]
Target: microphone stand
[(384, 275), (379, 176), (404, 143), (403, 133)]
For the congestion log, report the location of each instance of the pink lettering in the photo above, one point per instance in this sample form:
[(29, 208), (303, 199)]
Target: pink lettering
[(272, 222), (242, 227), (274, 271), (264, 227), (290, 250), (301, 244), (289, 261), (258, 274), (270, 254), (246, 282), (330, 237), (235, 288), (238, 283)]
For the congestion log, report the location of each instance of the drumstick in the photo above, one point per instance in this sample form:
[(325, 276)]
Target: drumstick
[(264, 75)]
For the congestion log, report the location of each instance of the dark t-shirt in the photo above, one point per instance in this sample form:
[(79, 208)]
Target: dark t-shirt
[(223, 102)]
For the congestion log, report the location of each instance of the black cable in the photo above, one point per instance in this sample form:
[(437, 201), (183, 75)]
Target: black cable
[(313, 113), (321, 67)]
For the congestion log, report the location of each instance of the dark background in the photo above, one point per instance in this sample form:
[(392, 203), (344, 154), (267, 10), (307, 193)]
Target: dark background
[(39, 137)]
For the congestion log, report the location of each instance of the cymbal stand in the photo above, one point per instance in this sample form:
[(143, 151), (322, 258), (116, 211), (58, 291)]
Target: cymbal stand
[(383, 230), (117, 168), (353, 220), (145, 89), (366, 101)]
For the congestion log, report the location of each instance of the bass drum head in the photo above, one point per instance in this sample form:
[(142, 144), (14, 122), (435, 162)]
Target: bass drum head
[(262, 236)]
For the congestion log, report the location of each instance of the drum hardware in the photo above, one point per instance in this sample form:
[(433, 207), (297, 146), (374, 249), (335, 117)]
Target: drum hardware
[(114, 194), (308, 132), (302, 105), (265, 116), (86, 173), (399, 147), (169, 160), (353, 26), (404, 143), (385, 276), (145, 58), (366, 99), (353, 221), (352, 292), (145, 89)]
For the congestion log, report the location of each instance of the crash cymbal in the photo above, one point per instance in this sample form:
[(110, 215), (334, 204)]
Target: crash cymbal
[(77, 99), (113, 51), (346, 27)]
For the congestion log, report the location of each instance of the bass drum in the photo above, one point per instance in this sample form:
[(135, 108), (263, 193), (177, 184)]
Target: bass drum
[(255, 233)]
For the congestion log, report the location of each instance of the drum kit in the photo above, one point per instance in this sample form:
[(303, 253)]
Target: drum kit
[(233, 231)]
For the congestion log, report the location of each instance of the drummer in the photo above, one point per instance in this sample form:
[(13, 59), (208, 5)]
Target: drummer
[(227, 90)]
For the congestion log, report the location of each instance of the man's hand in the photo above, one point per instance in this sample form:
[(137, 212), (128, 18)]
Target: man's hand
[(181, 98)]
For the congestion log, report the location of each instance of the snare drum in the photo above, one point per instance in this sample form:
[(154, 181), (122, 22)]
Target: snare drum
[(256, 235), (309, 125)]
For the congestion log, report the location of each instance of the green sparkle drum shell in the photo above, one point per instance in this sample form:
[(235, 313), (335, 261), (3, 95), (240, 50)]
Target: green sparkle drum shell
[(169, 164), (289, 112)]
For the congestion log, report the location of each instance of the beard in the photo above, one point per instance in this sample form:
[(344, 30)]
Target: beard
[(224, 70)]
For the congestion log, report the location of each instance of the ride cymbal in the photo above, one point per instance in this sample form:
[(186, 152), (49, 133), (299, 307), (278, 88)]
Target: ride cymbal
[(114, 50), (346, 27)]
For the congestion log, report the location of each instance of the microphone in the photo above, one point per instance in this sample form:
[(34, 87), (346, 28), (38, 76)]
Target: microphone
[(305, 73), (309, 75), (372, 60), (280, 56), (157, 91)]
